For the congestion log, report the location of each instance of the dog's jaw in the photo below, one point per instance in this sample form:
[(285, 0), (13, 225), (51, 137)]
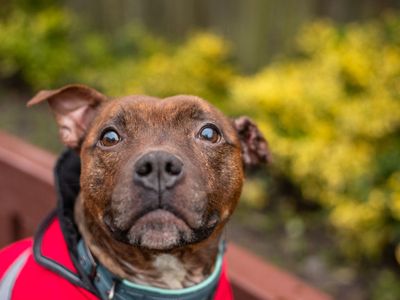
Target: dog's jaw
[(165, 231), (171, 270)]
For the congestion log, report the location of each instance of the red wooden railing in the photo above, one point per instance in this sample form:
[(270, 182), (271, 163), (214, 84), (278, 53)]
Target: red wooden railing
[(27, 195)]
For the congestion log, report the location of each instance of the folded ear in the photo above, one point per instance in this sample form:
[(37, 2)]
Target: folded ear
[(74, 107), (254, 146)]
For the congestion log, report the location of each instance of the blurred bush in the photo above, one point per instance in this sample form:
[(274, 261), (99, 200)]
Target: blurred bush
[(332, 117), (198, 66), (36, 48), (52, 47)]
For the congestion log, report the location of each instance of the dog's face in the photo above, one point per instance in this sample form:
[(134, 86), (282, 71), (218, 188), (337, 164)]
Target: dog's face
[(161, 173), (156, 174)]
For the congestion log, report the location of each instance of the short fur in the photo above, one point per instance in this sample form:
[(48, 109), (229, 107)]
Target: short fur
[(166, 238)]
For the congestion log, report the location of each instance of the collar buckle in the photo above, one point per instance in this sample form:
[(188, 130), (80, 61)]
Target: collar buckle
[(111, 293)]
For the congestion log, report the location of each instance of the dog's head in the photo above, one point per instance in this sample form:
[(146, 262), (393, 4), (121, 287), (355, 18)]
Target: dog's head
[(157, 174)]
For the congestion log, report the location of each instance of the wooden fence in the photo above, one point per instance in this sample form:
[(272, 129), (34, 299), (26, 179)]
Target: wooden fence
[(27, 195)]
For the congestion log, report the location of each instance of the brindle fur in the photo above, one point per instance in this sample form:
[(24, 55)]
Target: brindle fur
[(204, 199)]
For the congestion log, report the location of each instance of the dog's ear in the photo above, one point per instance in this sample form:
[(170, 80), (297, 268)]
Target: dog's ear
[(254, 146), (74, 107)]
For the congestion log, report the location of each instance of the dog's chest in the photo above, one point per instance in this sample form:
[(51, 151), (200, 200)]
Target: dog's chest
[(174, 273), (170, 270)]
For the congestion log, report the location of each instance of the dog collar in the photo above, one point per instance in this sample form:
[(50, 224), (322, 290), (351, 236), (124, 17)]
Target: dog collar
[(110, 286)]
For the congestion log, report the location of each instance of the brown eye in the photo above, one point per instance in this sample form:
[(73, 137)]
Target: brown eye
[(209, 133), (110, 138)]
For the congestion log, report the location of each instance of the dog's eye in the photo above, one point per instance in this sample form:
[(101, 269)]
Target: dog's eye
[(109, 138), (210, 133)]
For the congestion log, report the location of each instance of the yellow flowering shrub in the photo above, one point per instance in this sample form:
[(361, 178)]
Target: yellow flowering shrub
[(332, 117), (199, 66), (36, 47)]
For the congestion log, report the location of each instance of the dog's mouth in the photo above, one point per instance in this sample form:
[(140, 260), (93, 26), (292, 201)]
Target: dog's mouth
[(161, 229)]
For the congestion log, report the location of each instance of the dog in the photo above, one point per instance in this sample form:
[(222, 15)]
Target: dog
[(144, 192)]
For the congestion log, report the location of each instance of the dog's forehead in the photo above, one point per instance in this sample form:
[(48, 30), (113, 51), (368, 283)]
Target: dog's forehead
[(182, 108)]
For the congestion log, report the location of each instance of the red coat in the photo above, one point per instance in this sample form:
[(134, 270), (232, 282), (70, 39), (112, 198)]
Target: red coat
[(35, 281)]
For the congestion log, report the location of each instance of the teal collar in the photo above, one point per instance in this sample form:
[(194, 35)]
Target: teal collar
[(110, 286)]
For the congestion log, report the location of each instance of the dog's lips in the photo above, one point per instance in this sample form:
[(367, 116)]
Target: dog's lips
[(161, 216), (161, 226), (159, 230)]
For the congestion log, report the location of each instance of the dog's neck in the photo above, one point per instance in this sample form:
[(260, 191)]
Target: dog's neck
[(173, 269)]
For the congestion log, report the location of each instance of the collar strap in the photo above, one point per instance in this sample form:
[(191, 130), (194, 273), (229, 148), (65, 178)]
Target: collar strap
[(110, 286)]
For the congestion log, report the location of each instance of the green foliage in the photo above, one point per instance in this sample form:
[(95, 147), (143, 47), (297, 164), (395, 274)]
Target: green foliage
[(332, 117), (36, 47), (50, 48), (387, 286), (199, 67)]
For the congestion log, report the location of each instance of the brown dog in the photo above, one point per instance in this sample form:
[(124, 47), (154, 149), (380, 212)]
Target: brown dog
[(159, 179)]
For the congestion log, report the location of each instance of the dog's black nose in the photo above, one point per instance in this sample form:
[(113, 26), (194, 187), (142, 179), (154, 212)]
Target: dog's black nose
[(158, 170)]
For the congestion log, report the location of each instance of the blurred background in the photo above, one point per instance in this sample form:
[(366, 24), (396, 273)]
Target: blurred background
[(320, 77)]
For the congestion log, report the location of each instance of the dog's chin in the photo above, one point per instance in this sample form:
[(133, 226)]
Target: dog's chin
[(159, 230), (162, 230)]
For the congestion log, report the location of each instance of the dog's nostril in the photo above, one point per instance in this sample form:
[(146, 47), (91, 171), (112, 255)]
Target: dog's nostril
[(173, 168), (145, 169), (158, 170)]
